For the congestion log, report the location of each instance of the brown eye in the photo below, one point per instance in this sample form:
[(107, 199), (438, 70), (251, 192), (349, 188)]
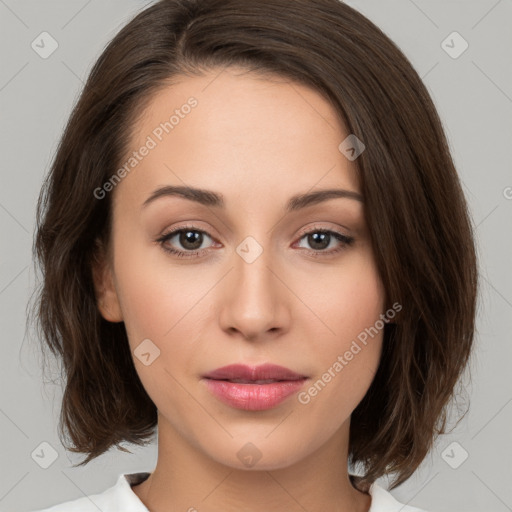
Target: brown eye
[(186, 241), (320, 239), (190, 240)]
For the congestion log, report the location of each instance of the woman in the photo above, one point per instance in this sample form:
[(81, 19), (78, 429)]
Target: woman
[(253, 239)]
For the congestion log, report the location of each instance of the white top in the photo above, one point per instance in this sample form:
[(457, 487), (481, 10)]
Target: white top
[(121, 498)]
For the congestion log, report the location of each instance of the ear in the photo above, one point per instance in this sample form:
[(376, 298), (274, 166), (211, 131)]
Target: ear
[(105, 291)]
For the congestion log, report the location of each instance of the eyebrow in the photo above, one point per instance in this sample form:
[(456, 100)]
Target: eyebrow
[(214, 199)]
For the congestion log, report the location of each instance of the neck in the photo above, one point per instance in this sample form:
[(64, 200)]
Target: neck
[(185, 478)]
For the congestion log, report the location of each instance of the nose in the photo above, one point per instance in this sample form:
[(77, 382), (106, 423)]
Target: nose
[(254, 299)]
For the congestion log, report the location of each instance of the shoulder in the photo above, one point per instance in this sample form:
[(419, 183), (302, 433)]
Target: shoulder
[(384, 501), (118, 497)]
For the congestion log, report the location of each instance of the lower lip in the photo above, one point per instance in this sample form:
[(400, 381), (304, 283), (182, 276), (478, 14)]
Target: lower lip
[(253, 397)]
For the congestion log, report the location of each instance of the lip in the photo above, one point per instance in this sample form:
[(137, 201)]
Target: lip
[(252, 373), (253, 396)]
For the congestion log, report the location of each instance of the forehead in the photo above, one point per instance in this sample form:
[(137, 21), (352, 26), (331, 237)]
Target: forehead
[(229, 129)]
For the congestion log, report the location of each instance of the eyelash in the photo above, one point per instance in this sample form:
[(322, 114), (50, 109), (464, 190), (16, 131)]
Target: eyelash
[(344, 239)]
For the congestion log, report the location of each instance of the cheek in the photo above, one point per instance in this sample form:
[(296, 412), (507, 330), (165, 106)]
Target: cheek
[(350, 332), (165, 307), (348, 299), (157, 301), (356, 306)]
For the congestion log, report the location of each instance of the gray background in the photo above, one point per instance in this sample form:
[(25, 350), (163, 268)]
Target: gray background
[(474, 96)]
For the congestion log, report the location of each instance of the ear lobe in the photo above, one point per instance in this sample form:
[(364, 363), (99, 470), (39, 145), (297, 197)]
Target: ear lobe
[(105, 291)]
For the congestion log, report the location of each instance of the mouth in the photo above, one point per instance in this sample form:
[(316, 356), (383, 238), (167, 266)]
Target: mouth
[(253, 388)]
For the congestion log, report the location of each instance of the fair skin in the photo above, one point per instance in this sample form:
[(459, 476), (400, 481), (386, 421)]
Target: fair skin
[(258, 143)]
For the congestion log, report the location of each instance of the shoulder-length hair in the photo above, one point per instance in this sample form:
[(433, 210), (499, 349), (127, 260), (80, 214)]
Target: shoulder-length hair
[(421, 229)]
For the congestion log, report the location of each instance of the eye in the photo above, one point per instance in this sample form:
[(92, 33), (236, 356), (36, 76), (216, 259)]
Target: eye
[(320, 239), (190, 238)]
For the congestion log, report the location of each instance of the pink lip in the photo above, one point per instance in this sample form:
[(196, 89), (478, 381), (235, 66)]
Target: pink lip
[(253, 396), (262, 372)]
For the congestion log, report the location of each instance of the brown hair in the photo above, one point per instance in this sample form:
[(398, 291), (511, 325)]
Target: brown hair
[(420, 227)]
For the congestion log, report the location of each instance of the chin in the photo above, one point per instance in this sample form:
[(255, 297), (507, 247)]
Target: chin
[(264, 455)]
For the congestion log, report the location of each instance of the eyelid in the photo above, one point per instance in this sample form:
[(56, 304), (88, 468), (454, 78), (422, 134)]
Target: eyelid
[(306, 230), (191, 224)]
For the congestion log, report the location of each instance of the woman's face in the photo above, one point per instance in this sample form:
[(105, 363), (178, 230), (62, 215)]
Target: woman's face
[(258, 282)]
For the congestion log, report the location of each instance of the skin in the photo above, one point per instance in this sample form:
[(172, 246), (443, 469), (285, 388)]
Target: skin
[(258, 141)]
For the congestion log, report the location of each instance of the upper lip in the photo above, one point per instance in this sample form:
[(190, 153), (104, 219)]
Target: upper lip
[(263, 372)]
